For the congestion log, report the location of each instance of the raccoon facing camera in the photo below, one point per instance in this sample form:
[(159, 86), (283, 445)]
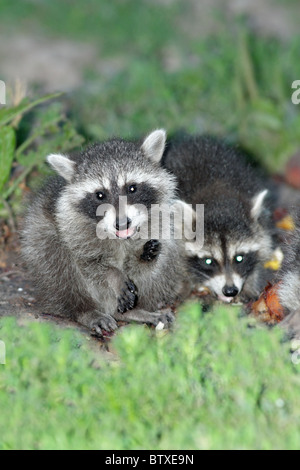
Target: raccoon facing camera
[(239, 234), (86, 242)]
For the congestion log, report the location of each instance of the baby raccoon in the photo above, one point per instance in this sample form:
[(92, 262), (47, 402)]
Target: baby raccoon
[(238, 231), (288, 282), (81, 237), (289, 275)]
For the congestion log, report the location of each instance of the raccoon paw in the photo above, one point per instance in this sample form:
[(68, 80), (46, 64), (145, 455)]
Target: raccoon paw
[(104, 322), (166, 317), (97, 322), (163, 318), (128, 298), (151, 250)]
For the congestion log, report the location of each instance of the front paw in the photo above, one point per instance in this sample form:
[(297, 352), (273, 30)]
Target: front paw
[(165, 319), (151, 250), (98, 322), (128, 297)]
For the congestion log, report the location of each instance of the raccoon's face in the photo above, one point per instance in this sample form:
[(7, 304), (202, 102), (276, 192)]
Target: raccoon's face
[(227, 260), (224, 272), (121, 211), (114, 185)]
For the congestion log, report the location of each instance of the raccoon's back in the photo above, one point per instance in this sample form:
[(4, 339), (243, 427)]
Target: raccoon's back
[(199, 162)]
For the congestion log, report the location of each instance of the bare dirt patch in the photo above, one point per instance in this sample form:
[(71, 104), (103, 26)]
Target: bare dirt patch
[(53, 64)]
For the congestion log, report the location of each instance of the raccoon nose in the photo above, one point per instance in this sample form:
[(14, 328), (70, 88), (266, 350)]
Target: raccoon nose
[(123, 224), (230, 291)]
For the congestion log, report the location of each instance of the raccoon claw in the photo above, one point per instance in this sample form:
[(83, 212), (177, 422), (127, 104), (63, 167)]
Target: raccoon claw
[(103, 322), (108, 324), (128, 298), (151, 250), (167, 318)]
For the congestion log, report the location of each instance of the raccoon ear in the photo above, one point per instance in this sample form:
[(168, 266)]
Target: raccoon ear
[(63, 165), (154, 145), (257, 204)]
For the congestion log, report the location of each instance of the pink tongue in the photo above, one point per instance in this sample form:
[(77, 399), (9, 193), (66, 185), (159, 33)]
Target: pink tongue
[(125, 233)]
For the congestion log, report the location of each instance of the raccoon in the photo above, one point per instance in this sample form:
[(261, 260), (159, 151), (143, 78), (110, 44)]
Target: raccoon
[(84, 250), (288, 277), (239, 236), (288, 281)]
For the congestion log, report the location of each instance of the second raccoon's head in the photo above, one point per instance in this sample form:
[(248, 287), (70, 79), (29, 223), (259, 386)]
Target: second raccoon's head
[(113, 185), (235, 245)]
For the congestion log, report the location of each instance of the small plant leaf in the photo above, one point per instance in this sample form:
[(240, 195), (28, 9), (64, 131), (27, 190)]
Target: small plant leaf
[(7, 148), (8, 114)]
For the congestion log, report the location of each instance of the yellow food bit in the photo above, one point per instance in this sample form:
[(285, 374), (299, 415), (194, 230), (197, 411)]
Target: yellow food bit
[(275, 262), (287, 223)]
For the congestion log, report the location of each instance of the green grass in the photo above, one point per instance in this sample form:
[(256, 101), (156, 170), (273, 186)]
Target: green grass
[(214, 383)]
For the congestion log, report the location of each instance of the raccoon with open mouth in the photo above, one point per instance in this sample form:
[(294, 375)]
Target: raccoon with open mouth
[(82, 248), (239, 235)]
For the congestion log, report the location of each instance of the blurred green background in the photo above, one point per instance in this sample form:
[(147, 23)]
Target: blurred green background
[(126, 67), (129, 66)]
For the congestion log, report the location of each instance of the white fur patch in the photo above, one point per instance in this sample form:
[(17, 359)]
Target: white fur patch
[(289, 291), (217, 283), (257, 204), (215, 252), (78, 191), (106, 184), (154, 145), (106, 228), (261, 243), (62, 165), (242, 247), (121, 180), (238, 281), (158, 180)]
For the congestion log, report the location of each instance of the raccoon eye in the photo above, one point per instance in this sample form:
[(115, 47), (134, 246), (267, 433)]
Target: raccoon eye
[(100, 195), (239, 258), (208, 261), (132, 188)]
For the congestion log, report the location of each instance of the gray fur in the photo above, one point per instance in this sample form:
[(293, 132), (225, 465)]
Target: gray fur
[(77, 274), (238, 206), (289, 281), (289, 275)]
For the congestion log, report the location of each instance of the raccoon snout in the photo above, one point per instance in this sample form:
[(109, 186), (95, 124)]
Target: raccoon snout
[(230, 291), (122, 224)]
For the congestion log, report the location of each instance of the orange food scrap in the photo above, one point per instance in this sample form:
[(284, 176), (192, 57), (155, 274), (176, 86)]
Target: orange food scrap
[(287, 223), (268, 308)]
